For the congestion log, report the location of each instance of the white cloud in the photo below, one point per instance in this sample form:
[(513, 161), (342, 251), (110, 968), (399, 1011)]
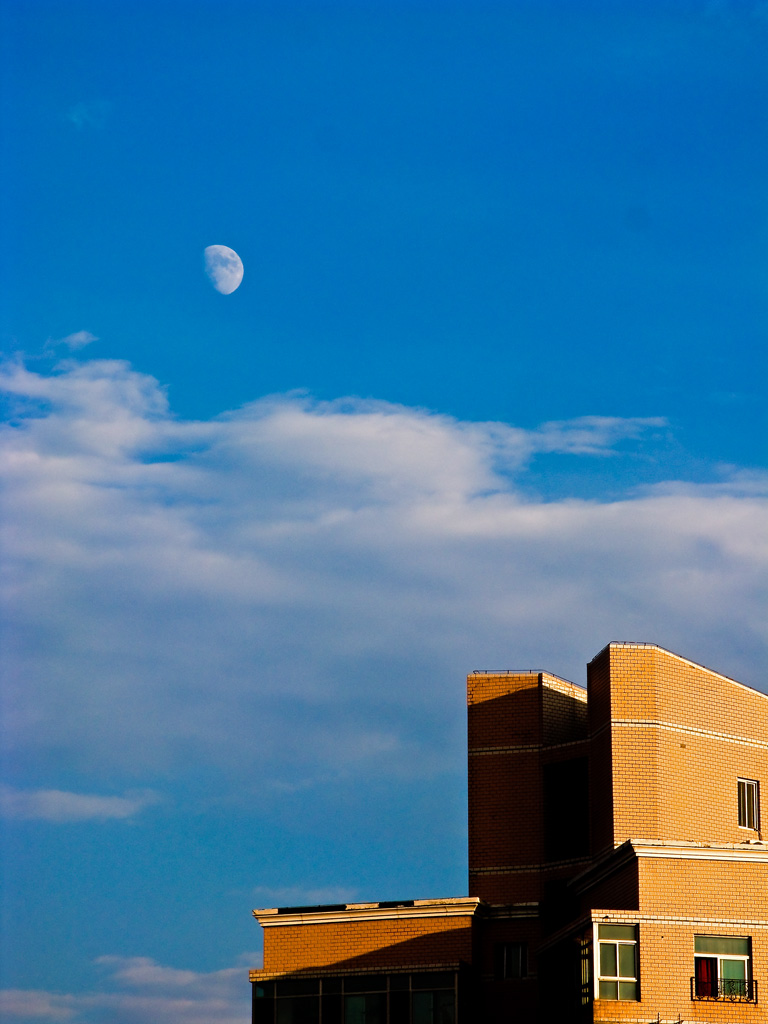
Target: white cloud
[(56, 805), (297, 588), (74, 341), (137, 990), (30, 1005)]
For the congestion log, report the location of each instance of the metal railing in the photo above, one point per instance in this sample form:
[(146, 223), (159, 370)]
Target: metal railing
[(733, 990)]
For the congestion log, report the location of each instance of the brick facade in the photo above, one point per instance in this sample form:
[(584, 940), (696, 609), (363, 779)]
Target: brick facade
[(617, 871)]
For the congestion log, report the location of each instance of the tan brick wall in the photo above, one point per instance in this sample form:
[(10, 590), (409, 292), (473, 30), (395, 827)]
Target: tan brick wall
[(705, 888), (619, 890), (666, 967), (375, 944), (680, 737), (515, 722), (601, 759)]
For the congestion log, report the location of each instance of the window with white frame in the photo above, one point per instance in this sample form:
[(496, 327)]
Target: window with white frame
[(617, 974), (749, 803), (722, 967)]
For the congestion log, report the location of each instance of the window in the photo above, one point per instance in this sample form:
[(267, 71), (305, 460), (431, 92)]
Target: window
[(566, 808), (434, 1008), (426, 997), (585, 970), (722, 967), (511, 960), (617, 961), (366, 1009), (749, 803)]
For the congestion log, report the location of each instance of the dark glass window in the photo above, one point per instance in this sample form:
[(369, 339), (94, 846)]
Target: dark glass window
[(298, 1010), (510, 960), (298, 987), (332, 1009), (566, 808), (366, 1009), (434, 1008), (749, 803), (399, 1003), (435, 979), (366, 983)]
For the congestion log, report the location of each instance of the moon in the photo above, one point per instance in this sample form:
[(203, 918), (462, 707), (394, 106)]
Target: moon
[(224, 267)]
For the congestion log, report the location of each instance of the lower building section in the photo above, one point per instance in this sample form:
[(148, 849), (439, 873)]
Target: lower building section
[(617, 865), (674, 956), (397, 997)]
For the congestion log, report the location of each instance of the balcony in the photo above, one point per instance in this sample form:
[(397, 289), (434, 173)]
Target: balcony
[(728, 990)]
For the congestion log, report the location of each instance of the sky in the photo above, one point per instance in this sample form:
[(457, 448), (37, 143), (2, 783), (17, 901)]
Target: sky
[(491, 394)]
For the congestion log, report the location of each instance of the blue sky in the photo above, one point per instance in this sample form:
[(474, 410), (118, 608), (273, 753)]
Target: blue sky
[(490, 394)]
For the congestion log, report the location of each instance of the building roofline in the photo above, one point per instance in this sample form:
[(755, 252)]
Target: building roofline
[(524, 672), (454, 906), (640, 645), (334, 970)]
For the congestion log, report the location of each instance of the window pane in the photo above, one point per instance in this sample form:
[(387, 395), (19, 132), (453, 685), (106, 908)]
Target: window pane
[(435, 979), (298, 987), (371, 1009), (332, 1009), (733, 969), (609, 990), (422, 1008), (444, 1008), (627, 990), (721, 944), (354, 1010), (298, 1010), (752, 806), (748, 803), (742, 803), (398, 1006), (608, 959), (366, 983), (626, 960), (263, 1012), (617, 931)]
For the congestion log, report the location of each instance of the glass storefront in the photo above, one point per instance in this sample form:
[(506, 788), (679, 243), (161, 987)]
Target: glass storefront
[(428, 997)]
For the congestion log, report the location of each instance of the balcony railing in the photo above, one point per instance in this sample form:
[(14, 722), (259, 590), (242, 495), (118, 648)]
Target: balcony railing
[(732, 990)]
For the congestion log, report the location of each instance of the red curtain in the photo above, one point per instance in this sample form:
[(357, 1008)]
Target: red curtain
[(706, 977)]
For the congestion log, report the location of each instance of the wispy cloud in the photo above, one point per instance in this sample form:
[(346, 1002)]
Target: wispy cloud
[(298, 896), (73, 342), (56, 805), (89, 114), (138, 990), (290, 586)]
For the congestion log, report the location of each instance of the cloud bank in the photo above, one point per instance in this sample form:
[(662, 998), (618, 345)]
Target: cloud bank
[(296, 589), (137, 990), (56, 805)]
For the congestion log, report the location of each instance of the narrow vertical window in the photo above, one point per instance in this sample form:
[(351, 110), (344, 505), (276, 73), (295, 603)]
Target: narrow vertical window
[(749, 803), (511, 960), (585, 957)]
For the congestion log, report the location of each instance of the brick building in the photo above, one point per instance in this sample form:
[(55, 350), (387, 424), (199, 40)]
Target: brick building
[(617, 868)]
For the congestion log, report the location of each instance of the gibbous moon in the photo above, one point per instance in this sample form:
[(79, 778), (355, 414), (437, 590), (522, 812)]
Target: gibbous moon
[(224, 267)]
